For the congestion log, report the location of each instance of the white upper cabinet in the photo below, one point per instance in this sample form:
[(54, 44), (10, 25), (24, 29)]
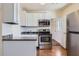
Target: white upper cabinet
[(41, 16), (36, 18), (10, 13), (32, 19), (47, 16), (44, 15), (23, 20)]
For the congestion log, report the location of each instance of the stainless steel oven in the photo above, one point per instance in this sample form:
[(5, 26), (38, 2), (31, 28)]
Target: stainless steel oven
[(45, 39)]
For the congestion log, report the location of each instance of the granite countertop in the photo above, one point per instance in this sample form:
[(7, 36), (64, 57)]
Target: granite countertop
[(10, 38)]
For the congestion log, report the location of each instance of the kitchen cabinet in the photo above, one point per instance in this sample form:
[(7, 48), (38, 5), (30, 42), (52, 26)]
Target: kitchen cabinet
[(10, 13), (23, 19), (32, 19), (44, 15), (19, 48), (28, 19), (47, 16), (34, 36), (41, 15), (36, 18)]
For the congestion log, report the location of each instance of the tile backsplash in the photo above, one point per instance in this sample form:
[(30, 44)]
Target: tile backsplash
[(6, 29), (31, 29)]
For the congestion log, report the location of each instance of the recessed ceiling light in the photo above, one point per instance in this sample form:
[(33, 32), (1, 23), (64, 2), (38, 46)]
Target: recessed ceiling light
[(42, 3)]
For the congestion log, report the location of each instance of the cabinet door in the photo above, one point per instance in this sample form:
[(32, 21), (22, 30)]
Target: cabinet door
[(44, 15), (16, 12), (41, 16), (36, 18), (23, 18), (19, 48), (8, 12), (47, 15), (30, 19)]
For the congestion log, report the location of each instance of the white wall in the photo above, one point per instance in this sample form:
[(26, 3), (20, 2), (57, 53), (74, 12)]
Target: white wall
[(26, 29), (10, 29), (59, 33)]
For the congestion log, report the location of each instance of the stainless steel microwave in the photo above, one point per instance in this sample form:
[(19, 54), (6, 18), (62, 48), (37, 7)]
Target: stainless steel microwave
[(44, 23)]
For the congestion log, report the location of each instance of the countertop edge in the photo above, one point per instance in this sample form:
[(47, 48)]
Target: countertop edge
[(20, 40)]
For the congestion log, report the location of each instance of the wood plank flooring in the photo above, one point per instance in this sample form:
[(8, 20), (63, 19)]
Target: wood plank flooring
[(56, 50)]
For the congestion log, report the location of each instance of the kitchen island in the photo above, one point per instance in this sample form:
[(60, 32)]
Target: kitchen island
[(19, 46)]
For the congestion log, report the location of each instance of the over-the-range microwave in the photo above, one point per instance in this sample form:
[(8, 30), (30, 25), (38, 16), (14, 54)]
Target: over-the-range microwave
[(44, 22)]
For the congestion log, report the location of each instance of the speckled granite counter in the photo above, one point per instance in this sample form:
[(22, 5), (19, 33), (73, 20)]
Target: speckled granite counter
[(10, 38)]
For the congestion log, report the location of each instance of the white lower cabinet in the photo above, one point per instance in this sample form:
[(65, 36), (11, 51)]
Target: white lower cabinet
[(19, 48)]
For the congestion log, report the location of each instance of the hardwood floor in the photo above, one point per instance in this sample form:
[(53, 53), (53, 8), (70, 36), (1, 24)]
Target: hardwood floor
[(56, 50)]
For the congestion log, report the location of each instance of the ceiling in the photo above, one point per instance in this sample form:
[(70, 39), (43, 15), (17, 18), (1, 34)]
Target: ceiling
[(42, 7)]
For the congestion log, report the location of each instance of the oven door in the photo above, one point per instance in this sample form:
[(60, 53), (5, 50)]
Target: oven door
[(45, 39)]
